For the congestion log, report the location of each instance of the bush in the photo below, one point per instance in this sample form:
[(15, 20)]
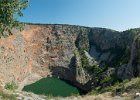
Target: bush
[(93, 92), (107, 89), (11, 86)]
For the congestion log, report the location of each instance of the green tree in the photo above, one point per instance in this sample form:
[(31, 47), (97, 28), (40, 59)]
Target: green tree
[(9, 10)]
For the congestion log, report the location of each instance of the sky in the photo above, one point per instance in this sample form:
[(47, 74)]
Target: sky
[(113, 14)]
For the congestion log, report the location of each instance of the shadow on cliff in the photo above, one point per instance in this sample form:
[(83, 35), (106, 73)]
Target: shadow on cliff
[(68, 74)]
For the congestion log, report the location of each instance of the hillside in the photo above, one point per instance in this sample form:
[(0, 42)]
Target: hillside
[(90, 58)]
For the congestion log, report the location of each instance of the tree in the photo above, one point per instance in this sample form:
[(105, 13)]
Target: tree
[(9, 10)]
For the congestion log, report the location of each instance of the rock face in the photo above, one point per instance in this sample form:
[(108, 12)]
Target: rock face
[(73, 53)]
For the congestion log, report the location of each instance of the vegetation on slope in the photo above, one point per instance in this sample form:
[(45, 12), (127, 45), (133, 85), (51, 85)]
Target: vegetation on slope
[(11, 86), (129, 87), (6, 96)]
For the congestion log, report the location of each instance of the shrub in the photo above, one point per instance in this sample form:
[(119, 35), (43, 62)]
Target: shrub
[(11, 86), (93, 92)]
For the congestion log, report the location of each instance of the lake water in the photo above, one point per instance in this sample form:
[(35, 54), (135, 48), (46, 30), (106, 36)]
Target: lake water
[(52, 86)]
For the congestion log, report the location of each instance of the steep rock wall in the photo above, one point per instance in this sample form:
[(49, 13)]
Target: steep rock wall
[(66, 51)]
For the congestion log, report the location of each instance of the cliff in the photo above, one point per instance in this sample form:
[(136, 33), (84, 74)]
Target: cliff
[(88, 57)]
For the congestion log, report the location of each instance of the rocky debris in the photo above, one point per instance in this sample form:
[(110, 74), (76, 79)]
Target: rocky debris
[(105, 96), (138, 94), (27, 96)]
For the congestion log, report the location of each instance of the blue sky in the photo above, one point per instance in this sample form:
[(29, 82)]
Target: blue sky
[(114, 14)]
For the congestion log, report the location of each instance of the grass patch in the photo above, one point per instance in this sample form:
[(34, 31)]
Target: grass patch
[(5, 96)]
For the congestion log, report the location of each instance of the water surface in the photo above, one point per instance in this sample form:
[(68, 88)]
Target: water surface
[(52, 86)]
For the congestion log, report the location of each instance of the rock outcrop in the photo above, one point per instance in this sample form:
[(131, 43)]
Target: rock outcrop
[(87, 57)]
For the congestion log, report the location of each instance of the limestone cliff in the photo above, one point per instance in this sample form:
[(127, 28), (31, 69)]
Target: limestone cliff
[(88, 57)]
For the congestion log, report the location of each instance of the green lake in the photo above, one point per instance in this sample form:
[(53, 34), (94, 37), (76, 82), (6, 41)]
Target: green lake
[(52, 86)]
